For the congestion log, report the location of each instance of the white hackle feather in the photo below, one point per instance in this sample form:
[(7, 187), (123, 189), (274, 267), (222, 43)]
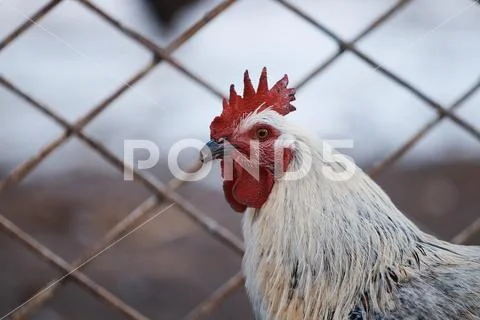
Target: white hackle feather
[(319, 248)]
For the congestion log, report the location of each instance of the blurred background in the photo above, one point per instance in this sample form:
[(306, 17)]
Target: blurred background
[(73, 58)]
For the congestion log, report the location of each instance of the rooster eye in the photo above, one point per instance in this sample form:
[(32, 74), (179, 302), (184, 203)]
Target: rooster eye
[(262, 133)]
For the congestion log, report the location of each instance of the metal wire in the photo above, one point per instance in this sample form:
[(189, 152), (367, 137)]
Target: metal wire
[(215, 299), (28, 23), (396, 155), (163, 193), (100, 292), (133, 219), (347, 46), (395, 9)]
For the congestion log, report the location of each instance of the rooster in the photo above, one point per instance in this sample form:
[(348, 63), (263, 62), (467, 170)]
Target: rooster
[(322, 248)]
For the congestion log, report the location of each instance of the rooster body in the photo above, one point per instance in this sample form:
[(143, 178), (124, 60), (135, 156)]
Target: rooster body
[(339, 250), (319, 249)]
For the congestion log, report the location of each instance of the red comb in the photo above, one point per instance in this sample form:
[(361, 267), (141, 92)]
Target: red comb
[(278, 99)]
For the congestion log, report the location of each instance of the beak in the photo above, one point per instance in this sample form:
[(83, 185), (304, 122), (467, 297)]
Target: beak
[(211, 151)]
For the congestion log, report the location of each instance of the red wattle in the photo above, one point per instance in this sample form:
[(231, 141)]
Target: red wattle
[(228, 191), (244, 190), (252, 192)]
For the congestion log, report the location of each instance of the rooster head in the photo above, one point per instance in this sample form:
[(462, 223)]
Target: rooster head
[(245, 139)]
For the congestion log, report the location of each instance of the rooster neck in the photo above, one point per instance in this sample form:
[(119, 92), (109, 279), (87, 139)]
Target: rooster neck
[(317, 247)]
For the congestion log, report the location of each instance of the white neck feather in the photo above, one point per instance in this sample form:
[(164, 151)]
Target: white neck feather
[(317, 247)]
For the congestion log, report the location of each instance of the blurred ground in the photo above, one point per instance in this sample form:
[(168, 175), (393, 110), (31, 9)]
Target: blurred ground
[(168, 266)]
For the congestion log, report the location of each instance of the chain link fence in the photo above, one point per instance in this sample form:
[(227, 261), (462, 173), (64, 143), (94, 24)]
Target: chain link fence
[(164, 196)]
